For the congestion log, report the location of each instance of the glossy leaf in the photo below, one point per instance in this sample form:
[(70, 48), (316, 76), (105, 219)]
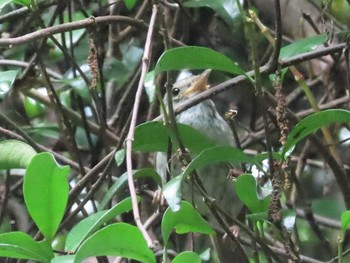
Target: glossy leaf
[(150, 86), (122, 182), (187, 256), (247, 190), (45, 190), (118, 239), (119, 157), (64, 259), (345, 221), (227, 9), (92, 223), (130, 4), (193, 57), (185, 220), (32, 107), (217, 154), (21, 246), (172, 192), (15, 154), (7, 78), (303, 46), (154, 137), (313, 122)]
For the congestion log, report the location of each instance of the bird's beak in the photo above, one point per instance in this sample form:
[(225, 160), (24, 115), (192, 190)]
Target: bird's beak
[(200, 84)]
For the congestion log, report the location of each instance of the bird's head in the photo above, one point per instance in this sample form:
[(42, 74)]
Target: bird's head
[(190, 86)]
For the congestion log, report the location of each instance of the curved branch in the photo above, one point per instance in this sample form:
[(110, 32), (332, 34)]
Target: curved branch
[(70, 26)]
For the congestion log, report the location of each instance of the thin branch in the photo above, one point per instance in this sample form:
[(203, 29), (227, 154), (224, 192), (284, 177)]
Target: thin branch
[(84, 23), (130, 138)]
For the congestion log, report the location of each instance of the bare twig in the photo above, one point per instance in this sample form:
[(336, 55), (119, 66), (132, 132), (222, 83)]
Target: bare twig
[(46, 32), (130, 138)]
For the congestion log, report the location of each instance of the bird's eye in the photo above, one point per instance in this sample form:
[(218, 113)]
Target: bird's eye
[(176, 91)]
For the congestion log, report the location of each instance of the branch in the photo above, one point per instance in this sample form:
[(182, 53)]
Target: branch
[(49, 31), (130, 138)]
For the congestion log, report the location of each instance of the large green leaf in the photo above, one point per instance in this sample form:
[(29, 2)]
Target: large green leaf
[(122, 181), (302, 46), (193, 57), (311, 123), (187, 256), (186, 220), (92, 223), (248, 191), (227, 9), (217, 154), (45, 190), (15, 154), (154, 137), (7, 78), (22, 246), (118, 239)]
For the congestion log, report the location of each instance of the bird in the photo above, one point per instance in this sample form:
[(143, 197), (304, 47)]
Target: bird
[(205, 118)]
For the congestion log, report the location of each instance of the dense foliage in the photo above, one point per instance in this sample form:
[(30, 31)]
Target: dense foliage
[(81, 85)]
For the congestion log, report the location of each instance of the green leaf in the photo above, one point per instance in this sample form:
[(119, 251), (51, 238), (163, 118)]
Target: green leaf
[(216, 154), (7, 78), (154, 137), (345, 221), (64, 259), (130, 4), (259, 217), (92, 223), (15, 154), (311, 123), (248, 191), (172, 192), (340, 9), (187, 256), (122, 181), (45, 190), (227, 9), (192, 57), (186, 220), (23, 2), (118, 239), (22, 246), (119, 157), (32, 107), (303, 46), (150, 86)]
